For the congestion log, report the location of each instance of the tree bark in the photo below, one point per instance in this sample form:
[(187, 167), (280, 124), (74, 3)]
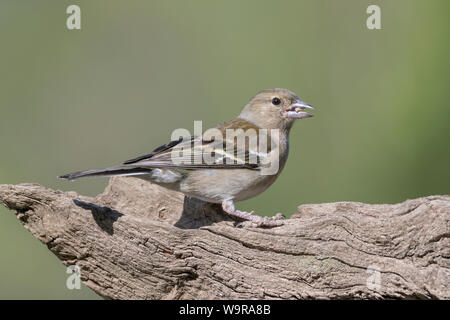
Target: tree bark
[(140, 241)]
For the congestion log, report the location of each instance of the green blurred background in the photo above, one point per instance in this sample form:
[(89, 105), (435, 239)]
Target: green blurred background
[(137, 70)]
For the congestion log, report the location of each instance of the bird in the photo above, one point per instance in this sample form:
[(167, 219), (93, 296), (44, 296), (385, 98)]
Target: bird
[(238, 160)]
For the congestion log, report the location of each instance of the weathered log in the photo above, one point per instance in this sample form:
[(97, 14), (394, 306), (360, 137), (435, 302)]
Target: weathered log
[(140, 241)]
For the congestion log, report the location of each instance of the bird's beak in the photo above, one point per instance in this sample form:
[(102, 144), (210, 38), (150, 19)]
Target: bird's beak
[(295, 111)]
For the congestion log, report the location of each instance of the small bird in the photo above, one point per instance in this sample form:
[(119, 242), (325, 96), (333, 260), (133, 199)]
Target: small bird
[(226, 166)]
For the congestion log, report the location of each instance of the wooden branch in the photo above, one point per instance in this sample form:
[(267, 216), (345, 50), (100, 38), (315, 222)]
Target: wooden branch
[(140, 241)]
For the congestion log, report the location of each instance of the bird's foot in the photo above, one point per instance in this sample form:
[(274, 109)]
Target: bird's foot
[(252, 220), (262, 222)]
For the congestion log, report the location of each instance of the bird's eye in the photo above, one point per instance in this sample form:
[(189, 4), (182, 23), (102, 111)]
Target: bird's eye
[(276, 101)]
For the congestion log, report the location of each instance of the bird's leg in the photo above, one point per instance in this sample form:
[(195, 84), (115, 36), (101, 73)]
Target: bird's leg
[(256, 221)]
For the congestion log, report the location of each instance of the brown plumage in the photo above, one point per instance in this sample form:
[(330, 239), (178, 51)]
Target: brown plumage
[(226, 166)]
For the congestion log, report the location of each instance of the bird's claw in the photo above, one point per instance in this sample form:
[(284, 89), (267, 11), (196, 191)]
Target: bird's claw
[(262, 222)]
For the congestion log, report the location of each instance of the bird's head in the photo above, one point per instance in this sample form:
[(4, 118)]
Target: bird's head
[(275, 108)]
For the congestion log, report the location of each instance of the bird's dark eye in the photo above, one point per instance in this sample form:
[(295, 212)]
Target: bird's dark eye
[(276, 101)]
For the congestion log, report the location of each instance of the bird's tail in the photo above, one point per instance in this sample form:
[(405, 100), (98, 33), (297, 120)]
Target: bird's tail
[(107, 172)]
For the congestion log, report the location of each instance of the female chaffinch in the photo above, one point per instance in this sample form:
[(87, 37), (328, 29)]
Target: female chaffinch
[(231, 162)]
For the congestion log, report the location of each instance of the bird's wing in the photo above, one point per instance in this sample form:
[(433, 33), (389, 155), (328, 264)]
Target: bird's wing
[(194, 152)]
